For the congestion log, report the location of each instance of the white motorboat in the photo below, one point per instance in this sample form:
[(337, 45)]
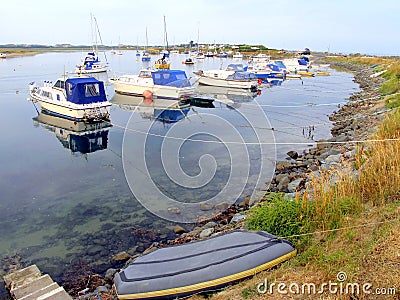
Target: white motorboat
[(167, 84), (234, 77), (78, 99), (238, 55), (296, 64)]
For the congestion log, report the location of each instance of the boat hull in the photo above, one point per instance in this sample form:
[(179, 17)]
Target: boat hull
[(73, 112), (205, 80), (159, 91), (100, 69), (201, 266)]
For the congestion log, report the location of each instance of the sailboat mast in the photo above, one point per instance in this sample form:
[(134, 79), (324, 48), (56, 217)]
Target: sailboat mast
[(147, 41), (94, 35), (165, 34), (98, 32)]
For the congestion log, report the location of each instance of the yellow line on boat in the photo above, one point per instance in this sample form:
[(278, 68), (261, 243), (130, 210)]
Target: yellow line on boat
[(212, 283)]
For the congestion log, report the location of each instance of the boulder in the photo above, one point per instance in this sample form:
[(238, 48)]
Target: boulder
[(121, 256), (294, 185), (293, 154), (204, 206), (179, 229), (238, 217), (206, 233), (110, 274)]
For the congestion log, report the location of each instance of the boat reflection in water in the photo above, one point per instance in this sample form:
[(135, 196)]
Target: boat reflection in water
[(165, 111), (228, 96), (78, 137)]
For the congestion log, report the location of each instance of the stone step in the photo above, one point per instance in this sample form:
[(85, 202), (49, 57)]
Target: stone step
[(40, 292), (57, 294), (30, 284), (21, 277)]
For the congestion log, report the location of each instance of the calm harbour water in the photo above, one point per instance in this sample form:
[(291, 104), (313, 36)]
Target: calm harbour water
[(61, 200)]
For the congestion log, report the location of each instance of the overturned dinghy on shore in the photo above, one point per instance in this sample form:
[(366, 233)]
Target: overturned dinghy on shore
[(201, 266)]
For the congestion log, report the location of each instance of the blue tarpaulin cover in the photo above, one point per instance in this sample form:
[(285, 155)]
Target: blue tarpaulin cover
[(176, 78), (280, 64), (302, 62), (85, 90), (274, 67)]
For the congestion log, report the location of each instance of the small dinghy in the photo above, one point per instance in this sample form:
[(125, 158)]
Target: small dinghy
[(201, 266)]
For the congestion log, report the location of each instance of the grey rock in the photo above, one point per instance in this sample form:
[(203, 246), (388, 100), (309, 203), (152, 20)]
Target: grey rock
[(121, 256), (333, 159), (280, 165), (204, 206), (100, 289), (238, 217), (210, 225), (293, 154), (222, 206), (206, 233), (110, 274), (294, 185), (179, 229), (283, 183)]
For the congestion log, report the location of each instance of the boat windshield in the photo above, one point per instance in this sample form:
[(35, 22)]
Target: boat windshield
[(176, 78), (235, 67), (145, 74), (60, 84), (242, 76)]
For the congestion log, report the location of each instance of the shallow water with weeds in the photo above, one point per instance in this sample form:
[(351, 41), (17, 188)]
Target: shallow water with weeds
[(60, 204)]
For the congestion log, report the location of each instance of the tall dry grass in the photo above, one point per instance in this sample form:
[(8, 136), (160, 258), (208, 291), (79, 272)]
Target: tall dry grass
[(378, 180), (380, 172)]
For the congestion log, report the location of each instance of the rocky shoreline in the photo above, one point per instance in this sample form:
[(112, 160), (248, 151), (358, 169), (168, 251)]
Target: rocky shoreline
[(354, 121)]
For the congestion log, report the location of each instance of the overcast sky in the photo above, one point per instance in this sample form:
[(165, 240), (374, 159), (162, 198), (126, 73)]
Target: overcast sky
[(347, 26)]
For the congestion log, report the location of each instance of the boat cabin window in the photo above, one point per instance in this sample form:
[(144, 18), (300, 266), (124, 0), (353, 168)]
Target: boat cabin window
[(145, 74), (92, 90), (47, 94), (60, 84), (69, 88)]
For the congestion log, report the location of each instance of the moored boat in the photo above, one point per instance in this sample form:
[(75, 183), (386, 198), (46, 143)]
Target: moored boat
[(179, 271), (234, 76), (78, 99), (188, 61), (91, 63), (169, 84), (237, 55)]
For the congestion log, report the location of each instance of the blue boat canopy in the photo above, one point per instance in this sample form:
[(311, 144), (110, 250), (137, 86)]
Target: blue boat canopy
[(302, 62), (274, 67), (176, 78), (85, 90), (280, 64)]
